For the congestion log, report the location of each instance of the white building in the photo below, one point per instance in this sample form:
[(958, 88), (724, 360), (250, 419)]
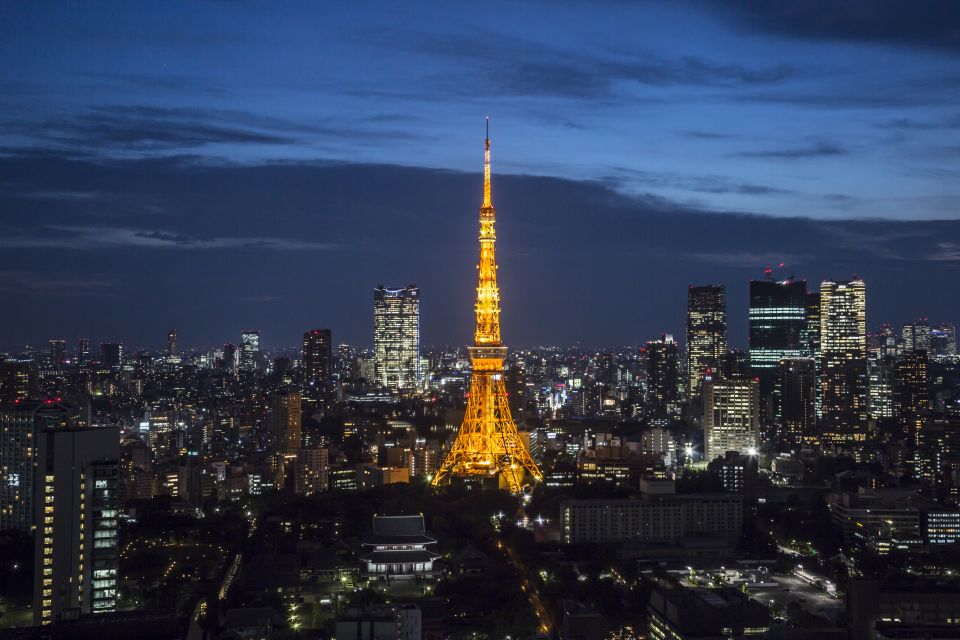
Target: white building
[(397, 548)]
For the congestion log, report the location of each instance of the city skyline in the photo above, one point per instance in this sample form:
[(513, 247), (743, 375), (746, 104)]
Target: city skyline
[(828, 148)]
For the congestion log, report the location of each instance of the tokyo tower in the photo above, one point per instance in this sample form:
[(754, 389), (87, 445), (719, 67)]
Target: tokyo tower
[(488, 443)]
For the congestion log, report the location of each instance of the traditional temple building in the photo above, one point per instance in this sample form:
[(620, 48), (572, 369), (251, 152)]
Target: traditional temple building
[(397, 548)]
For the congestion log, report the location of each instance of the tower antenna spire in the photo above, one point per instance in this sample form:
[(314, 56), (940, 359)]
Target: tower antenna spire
[(487, 197)]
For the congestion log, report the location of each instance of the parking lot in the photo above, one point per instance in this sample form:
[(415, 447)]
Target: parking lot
[(792, 589)]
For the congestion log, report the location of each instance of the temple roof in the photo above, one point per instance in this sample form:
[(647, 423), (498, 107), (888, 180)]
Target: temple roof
[(398, 530)]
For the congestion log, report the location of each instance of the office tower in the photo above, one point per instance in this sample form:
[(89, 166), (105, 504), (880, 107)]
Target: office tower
[(18, 379), (20, 421), (731, 416), (83, 350), (843, 360), (312, 471), (249, 350), (916, 336), (488, 444), (778, 325), (285, 421), (76, 512), (317, 359), (58, 354), (396, 337), (111, 354), (172, 342), (663, 376), (880, 385), (706, 334), (797, 401), (229, 360), (911, 396), (943, 340)]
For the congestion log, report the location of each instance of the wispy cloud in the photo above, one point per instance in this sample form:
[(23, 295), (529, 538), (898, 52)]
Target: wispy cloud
[(20, 281), (818, 150), (95, 237)]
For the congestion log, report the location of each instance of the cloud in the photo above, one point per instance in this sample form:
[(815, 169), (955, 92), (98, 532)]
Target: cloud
[(928, 24), (21, 281), (522, 67), (614, 265), (625, 177), (150, 129), (818, 150), (98, 237)]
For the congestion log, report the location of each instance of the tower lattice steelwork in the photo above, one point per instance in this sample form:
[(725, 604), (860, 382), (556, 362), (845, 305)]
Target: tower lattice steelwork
[(488, 443)]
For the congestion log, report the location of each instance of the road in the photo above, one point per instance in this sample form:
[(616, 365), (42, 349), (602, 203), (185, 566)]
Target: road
[(529, 587)]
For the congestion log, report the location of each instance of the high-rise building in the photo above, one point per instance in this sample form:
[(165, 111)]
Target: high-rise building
[(396, 337), (20, 422), (83, 350), (916, 336), (111, 354), (317, 359), (285, 422), (880, 386), (843, 360), (731, 416), (249, 350), (778, 326), (18, 379), (663, 376), (797, 401), (172, 342), (312, 472), (706, 334), (58, 354), (943, 340), (76, 513), (911, 396)]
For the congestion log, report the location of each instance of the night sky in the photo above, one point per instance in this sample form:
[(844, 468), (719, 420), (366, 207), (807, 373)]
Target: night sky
[(216, 166)]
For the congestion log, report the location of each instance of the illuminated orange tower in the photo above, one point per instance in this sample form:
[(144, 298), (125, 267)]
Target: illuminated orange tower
[(488, 443)]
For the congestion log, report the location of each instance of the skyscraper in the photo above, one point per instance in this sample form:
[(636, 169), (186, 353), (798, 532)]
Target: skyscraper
[(316, 359), (943, 340), (249, 350), (111, 354), (83, 350), (76, 513), (396, 337), (58, 354), (911, 397), (663, 377), (778, 325), (916, 336), (20, 422), (796, 400), (172, 342), (843, 360), (731, 416), (285, 421), (706, 333)]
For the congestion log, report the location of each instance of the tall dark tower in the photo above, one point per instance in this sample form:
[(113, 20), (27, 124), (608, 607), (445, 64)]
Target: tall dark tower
[(663, 376), (706, 333), (317, 356), (778, 325)]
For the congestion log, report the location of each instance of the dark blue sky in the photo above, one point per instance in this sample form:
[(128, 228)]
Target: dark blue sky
[(213, 166)]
